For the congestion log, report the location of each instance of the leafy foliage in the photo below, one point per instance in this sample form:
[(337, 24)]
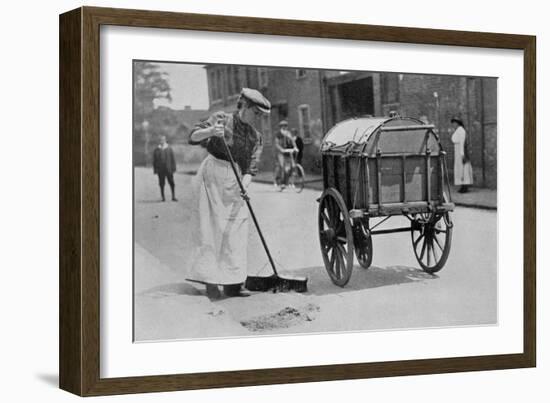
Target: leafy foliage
[(149, 84)]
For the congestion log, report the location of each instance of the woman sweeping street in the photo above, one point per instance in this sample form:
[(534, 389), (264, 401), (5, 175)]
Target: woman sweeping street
[(223, 217), (463, 174)]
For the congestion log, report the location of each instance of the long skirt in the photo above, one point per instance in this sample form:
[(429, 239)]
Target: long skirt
[(463, 173), (222, 231)]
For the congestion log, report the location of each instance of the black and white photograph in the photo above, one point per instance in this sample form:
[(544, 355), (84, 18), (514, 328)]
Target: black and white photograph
[(275, 200)]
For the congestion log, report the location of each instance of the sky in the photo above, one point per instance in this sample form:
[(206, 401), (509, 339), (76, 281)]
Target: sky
[(188, 85)]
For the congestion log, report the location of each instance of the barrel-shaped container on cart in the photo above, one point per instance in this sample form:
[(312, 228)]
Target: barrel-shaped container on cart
[(379, 168)]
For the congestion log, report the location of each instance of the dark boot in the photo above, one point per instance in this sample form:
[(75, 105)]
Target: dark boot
[(213, 292), (162, 194), (235, 290), (173, 193)]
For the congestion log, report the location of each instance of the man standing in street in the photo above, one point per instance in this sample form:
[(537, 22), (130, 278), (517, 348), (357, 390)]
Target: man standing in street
[(164, 165)]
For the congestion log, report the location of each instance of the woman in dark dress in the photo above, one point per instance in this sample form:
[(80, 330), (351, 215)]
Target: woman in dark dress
[(223, 216)]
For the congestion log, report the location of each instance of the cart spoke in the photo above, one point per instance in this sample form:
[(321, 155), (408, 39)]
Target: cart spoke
[(437, 242), (342, 250), (423, 249), (418, 240), (332, 259), (436, 258), (325, 218), (342, 239), (339, 263), (428, 254)]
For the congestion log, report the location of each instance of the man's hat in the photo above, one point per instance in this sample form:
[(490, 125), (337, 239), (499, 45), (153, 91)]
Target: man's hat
[(257, 99), (283, 123), (457, 121)]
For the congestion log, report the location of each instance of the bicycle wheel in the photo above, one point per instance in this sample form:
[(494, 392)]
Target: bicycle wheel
[(296, 180)]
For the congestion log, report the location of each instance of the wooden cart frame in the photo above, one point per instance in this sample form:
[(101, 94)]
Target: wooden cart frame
[(383, 167)]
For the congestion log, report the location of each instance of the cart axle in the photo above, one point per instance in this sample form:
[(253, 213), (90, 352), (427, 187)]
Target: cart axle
[(391, 231)]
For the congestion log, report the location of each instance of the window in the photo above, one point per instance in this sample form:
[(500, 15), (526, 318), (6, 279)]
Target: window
[(390, 88), (237, 80), (301, 73), (265, 125), (262, 77), (304, 120)]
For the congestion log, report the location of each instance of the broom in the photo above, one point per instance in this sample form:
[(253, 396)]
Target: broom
[(274, 282)]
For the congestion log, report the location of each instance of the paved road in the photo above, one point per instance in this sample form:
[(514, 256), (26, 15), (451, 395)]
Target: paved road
[(393, 293)]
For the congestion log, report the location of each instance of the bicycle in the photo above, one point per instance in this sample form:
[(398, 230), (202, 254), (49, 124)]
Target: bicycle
[(293, 175)]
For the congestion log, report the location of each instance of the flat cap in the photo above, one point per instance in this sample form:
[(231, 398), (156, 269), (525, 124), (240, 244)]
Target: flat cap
[(283, 123), (255, 97)]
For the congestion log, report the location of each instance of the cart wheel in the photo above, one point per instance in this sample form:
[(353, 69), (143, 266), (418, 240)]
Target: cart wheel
[(296, 179), (431, 236), (362, 241), (335, 236)]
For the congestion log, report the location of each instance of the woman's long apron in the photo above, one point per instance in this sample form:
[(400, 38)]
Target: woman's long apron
[(463, 173), (222, 233)]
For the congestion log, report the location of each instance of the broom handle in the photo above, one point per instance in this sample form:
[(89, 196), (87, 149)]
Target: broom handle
[(243, 191)]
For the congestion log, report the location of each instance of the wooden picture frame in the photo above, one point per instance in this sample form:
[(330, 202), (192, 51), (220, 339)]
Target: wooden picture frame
[(79, 346)]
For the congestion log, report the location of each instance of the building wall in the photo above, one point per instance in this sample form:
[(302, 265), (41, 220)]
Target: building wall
[(288, 91), (489, 103), (434, 98), (438, 99)]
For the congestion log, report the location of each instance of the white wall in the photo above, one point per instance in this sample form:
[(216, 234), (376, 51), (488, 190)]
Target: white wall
[(29, 201)]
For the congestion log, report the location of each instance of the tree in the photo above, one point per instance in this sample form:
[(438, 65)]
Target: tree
[(150, 83)]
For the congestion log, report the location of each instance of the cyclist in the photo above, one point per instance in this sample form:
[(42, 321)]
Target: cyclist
[(285, 146), (299, 145)]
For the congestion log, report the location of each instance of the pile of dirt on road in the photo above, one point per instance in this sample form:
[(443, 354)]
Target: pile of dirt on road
[(285, 318)]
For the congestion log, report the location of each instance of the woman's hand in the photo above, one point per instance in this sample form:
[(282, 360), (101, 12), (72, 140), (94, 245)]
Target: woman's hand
[(218, 129), (247, 178)]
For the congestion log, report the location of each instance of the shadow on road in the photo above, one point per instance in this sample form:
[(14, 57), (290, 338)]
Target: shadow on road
[(319, 282), (172, 289)]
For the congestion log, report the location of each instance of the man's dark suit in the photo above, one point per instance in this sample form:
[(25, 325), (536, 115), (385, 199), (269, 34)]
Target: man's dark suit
[(164, 165)]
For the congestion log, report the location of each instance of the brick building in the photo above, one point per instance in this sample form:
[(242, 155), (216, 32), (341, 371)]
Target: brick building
[(312, 101), (438, 98), (295, 96)]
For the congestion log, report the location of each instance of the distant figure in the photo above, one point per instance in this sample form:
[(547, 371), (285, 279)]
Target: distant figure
[(424, 119), (164, 165), (299, 145), (284, 148), (462, 165)]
